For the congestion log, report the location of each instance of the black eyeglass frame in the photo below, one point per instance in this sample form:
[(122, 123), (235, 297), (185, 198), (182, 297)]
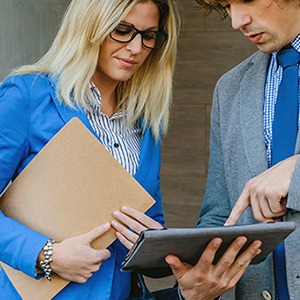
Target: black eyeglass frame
[(141, 32)]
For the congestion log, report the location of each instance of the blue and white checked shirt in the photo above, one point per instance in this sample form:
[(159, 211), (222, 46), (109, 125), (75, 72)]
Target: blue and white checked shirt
[(271, 90)]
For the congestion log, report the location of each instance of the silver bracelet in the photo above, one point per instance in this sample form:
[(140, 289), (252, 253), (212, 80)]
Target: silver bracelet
[(45, 264)]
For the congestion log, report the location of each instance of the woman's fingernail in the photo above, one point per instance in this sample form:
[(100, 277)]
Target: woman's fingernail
[(106, 225), (116, 213)]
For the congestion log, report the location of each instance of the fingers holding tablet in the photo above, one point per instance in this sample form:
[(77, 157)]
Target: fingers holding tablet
[(208, 279)]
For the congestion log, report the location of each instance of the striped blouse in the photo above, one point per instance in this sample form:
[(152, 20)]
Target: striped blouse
[(123, 144)]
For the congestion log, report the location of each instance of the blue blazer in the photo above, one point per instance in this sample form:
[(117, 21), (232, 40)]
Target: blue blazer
[(30, 115)]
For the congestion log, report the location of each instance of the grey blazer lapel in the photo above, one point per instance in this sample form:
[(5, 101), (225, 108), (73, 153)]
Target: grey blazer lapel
[(251, 112)]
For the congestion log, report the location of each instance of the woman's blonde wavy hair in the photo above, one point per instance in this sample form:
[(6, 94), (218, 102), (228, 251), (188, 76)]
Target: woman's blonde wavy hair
[(73, 57)]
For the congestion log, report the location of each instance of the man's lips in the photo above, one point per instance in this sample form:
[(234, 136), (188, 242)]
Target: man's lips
[(254, 38)]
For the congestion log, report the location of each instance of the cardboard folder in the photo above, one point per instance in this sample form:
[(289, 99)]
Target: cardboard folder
[(75, 184), (189, 243)]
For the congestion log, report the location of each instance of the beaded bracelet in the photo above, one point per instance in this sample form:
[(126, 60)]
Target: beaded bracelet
[(45, 264)]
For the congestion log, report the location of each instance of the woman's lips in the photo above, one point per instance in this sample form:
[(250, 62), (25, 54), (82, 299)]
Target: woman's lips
[(128, 63)]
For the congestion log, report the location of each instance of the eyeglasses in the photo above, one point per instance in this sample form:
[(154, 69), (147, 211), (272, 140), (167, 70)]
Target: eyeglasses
[(125, 33)]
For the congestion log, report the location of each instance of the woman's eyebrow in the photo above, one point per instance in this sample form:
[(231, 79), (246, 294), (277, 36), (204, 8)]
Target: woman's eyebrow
[(149, 28)]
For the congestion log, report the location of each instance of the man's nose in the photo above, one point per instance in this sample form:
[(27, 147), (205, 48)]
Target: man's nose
[(239, 16)]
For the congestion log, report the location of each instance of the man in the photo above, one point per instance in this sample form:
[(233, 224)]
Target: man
[(246, 160)]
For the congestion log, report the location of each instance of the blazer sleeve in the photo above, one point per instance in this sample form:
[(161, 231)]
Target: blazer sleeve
[(293, 200), (19, 245), (216, 204), (14, 128)]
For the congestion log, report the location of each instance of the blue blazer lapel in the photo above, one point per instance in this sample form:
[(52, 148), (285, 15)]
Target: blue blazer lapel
[(149, 156), (67, 113), (145, 154), (251, 113), (150, 151)]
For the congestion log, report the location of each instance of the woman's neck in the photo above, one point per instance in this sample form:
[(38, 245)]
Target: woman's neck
[(108, 96)]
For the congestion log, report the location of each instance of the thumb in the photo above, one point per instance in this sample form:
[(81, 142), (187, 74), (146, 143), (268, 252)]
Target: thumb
[(178, 268), (96, 232)]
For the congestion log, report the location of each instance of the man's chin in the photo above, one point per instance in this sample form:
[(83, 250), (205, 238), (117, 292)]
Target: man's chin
[(266, 48)]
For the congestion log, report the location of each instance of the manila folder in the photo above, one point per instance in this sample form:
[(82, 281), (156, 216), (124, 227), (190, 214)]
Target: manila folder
[(71, 186)]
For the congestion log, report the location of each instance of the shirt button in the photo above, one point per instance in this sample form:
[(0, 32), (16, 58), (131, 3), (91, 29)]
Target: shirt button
[(267, 295), (116, 145)]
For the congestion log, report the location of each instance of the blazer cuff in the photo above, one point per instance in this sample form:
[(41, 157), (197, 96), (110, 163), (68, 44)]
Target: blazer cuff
[(182, 298)]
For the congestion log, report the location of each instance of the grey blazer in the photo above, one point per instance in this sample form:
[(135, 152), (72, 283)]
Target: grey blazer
[(237, 153)]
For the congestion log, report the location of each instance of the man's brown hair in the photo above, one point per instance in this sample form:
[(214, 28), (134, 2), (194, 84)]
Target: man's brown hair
[(210, 5)]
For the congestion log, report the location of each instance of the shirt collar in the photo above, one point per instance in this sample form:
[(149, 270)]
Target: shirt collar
[(95, 103), (295, 44)]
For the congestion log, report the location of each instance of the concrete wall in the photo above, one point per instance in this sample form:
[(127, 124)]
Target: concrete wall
[(208, 47), (27, 30)]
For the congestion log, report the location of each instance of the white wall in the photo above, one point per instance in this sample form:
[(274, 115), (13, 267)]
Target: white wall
[(27, 28)]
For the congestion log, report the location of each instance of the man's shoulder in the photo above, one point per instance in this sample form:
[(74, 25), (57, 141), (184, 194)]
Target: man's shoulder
[(255, 60)]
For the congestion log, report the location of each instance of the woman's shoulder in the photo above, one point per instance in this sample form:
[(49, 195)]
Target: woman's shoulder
[(27, 90), (29, 80)]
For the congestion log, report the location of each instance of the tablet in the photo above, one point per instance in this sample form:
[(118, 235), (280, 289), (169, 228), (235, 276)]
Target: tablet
[(148, 254)]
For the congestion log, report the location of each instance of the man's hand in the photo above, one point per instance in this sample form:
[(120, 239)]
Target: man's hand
[(266, 193), (206, 281)]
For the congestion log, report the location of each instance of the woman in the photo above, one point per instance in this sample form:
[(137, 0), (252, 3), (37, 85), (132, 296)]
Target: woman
[(111, 65)]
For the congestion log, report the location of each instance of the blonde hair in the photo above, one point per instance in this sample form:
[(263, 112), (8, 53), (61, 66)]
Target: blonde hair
[(72, 59)]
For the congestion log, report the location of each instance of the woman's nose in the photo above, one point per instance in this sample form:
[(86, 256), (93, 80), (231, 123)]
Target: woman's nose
[(136, 45)]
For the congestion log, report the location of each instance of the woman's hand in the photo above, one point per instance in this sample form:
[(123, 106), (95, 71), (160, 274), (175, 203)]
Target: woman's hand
[(127, 218), (74, 259)]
